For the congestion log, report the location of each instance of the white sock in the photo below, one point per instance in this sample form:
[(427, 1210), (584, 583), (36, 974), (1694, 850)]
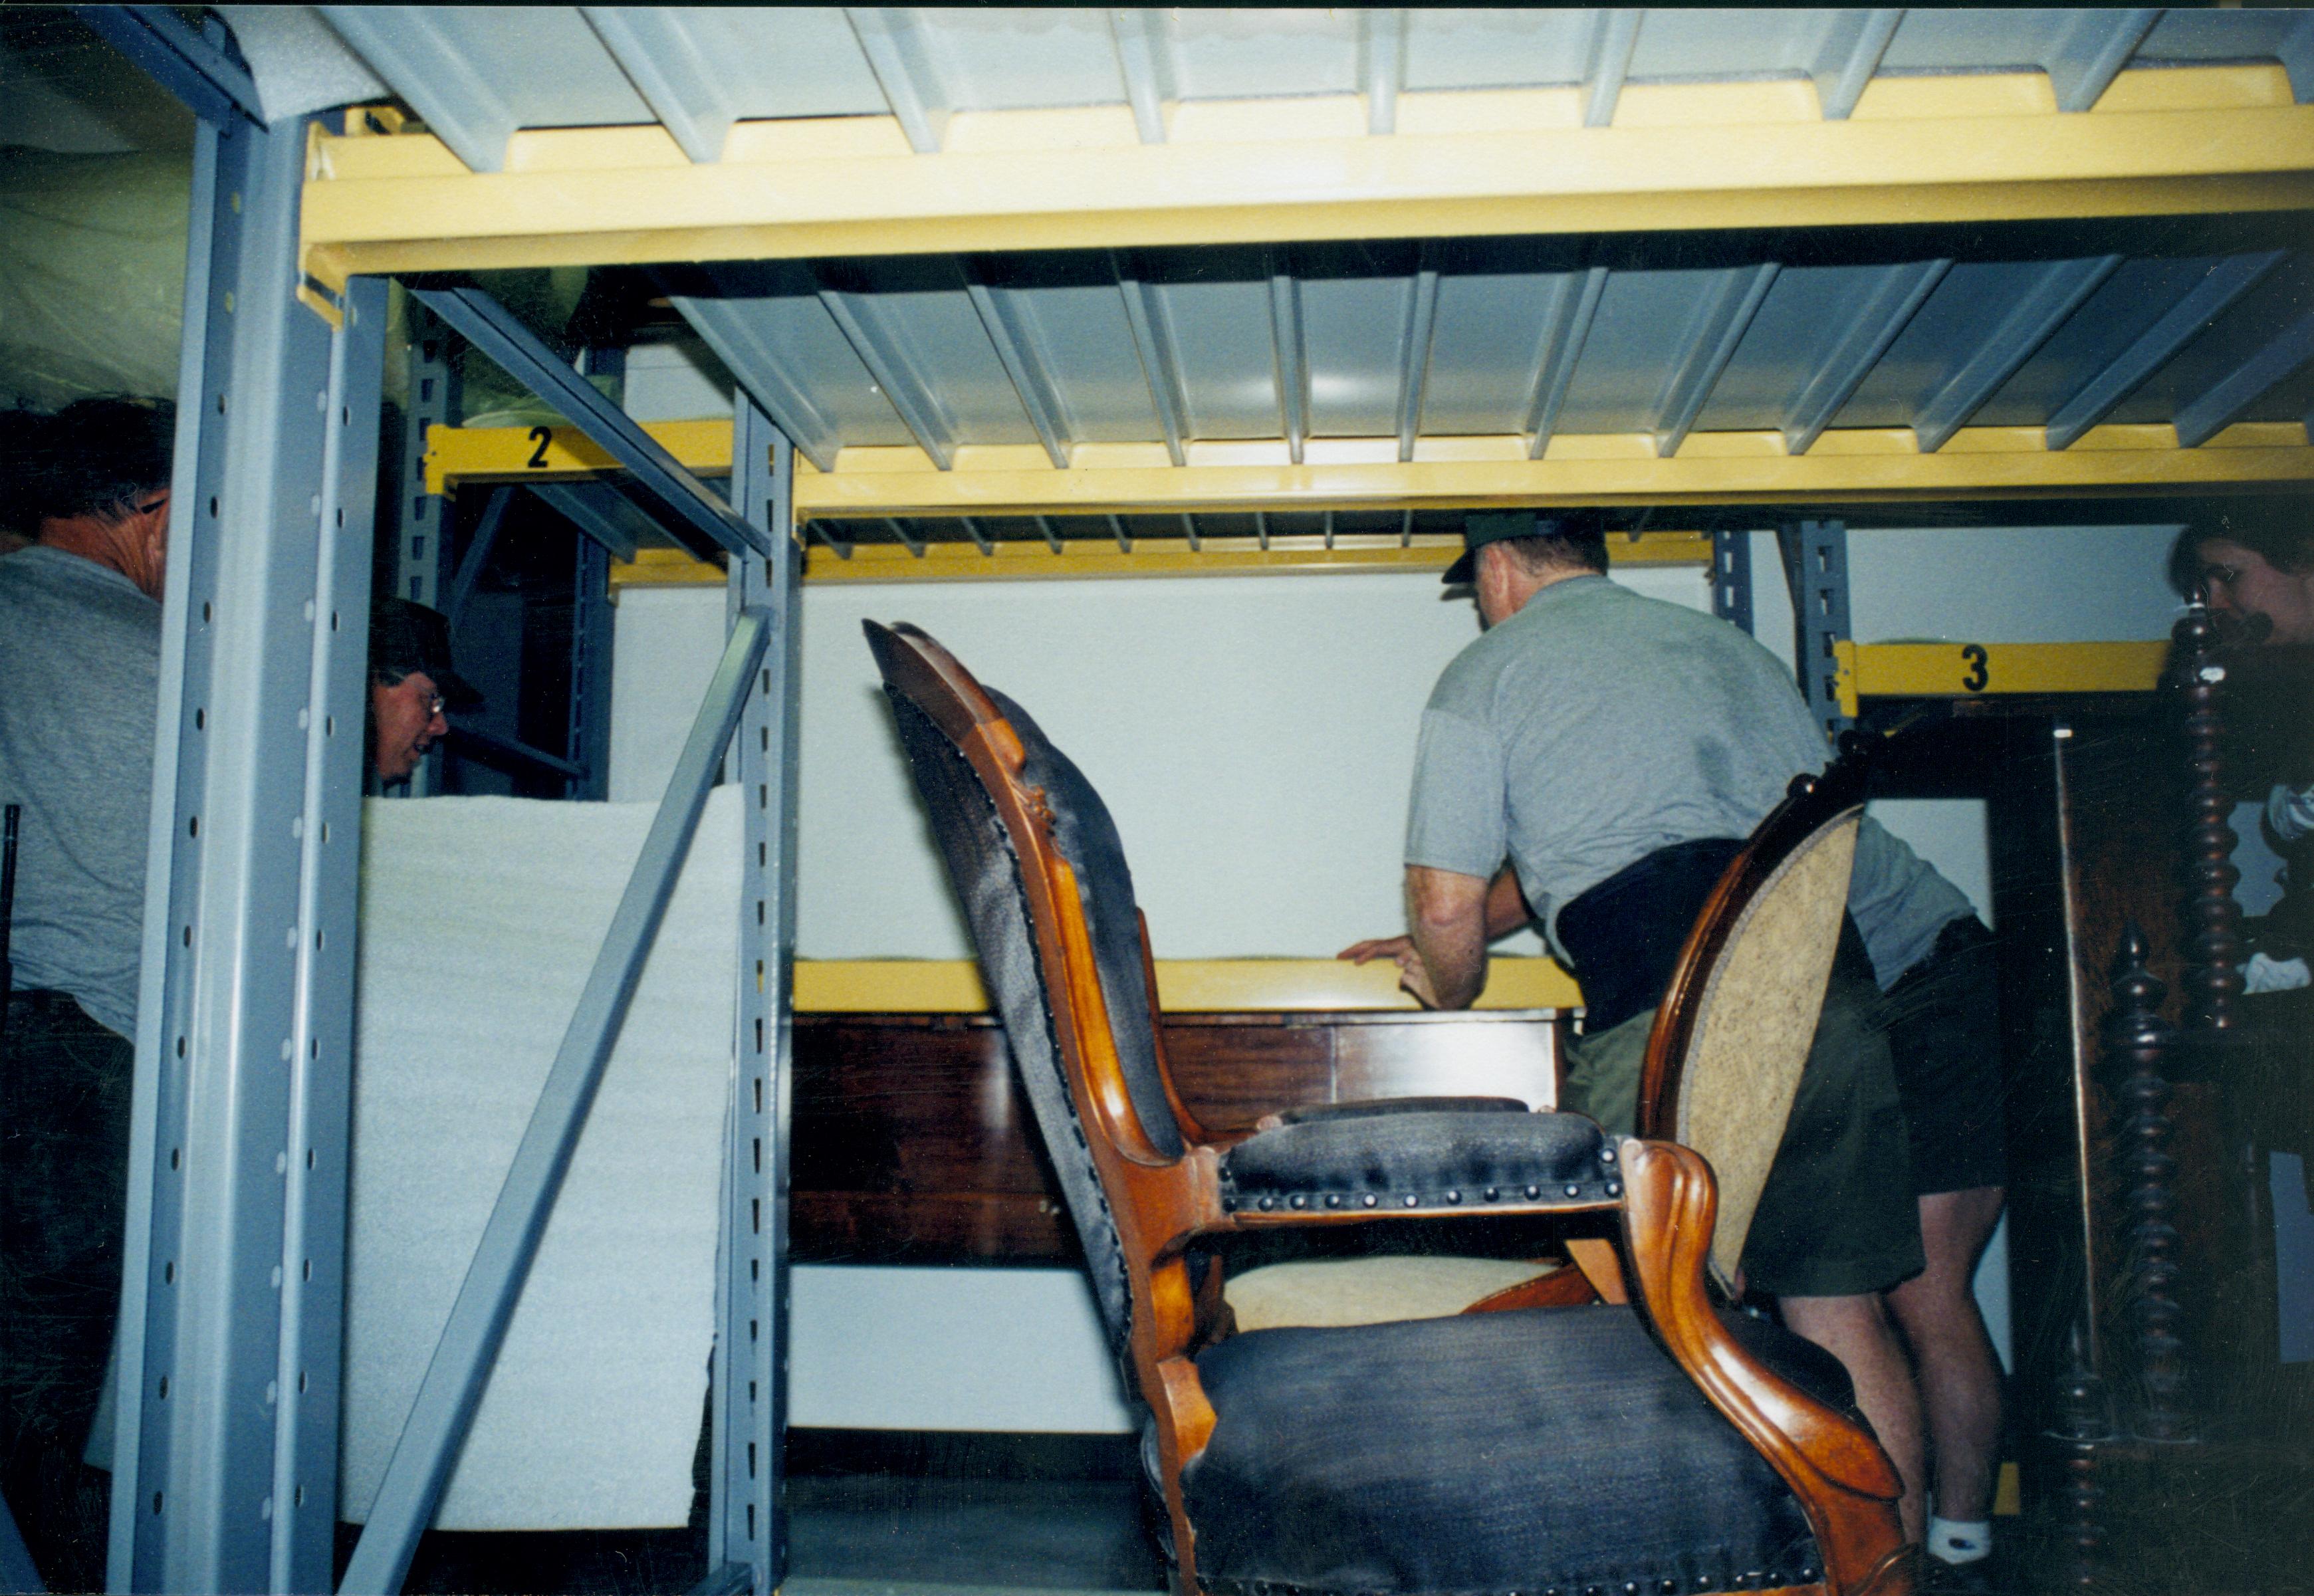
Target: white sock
[(1959, 1541)]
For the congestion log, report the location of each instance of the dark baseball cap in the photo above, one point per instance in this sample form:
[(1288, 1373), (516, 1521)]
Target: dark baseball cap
[(1492, 526), (407, 639)]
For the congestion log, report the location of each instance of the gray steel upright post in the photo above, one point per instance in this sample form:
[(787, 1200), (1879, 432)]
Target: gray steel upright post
[(421, 520), (226, 1451), (1815, 566), (747, 1548), (1731, 578), (592, 635)]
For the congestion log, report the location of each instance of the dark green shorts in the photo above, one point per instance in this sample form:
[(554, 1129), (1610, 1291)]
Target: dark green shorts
[(1837, 1218)]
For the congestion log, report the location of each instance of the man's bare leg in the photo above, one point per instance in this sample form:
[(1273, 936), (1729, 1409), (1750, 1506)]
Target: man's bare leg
[(1959, 1376), (1858, 1332)]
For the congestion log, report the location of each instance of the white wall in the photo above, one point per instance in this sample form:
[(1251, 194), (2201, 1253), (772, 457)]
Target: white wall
[(1254, 737), (1255, 734), (873, 1347)]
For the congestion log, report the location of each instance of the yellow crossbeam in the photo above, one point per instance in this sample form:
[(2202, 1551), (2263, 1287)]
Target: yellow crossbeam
[(1077, 559), (1860, 464), (1965, 670), (1223, 986), (1704, 155)]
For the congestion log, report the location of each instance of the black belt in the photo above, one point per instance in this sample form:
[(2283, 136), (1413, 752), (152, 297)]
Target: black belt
[(1624, 935)]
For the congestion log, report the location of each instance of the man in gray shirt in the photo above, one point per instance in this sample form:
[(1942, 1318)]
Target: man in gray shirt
[(80, 645), (1598, 750)]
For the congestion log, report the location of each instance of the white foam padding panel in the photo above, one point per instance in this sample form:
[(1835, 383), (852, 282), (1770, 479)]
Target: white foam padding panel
[(479, 920)]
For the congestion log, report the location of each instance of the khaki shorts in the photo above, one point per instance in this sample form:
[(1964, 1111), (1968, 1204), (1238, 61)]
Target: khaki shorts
[(1837, 1218)]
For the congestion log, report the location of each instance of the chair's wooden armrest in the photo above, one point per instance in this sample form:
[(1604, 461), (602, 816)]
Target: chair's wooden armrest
[(1842, 1477)]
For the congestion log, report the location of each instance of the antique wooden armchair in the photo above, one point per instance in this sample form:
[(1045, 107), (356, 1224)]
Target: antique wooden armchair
[(1667, 1444)]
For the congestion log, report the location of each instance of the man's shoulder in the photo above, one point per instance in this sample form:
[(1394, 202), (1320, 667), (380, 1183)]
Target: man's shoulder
[(41, 574)]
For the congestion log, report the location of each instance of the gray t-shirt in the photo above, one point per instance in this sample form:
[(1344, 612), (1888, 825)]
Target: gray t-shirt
[(80, 664), (1900, 903), (1594, 727)]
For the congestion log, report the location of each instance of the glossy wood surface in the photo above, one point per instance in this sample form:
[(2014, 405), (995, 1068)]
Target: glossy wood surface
[(914, 1144)]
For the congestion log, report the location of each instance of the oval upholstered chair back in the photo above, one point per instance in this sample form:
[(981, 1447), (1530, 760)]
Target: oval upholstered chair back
[(1733, 1033)]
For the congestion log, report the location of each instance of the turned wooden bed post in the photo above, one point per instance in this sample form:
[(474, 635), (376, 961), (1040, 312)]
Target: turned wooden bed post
[(2137, 1041), (2213, 977)]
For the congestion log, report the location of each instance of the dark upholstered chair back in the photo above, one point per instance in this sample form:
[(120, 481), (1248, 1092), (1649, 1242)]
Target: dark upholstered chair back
[(984, 863)]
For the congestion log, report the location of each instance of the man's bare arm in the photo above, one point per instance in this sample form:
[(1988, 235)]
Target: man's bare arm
[(1446, 915), (1507, 911)]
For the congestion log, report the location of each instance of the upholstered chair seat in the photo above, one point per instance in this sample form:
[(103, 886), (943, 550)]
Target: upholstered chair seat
[(1492, 1452)]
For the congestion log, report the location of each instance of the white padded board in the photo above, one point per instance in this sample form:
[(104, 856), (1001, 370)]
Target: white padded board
[(480, 918)]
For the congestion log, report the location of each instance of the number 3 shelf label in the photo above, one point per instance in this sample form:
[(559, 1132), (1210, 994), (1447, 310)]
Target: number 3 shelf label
[(1973, 654)]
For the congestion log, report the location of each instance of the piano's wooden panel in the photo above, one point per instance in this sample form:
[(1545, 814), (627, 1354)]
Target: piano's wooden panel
[(912, 1142)]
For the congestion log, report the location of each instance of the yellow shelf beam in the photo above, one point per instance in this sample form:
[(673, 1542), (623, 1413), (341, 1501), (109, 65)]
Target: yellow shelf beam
[(1971, 670), (1078, 559), (1184, 986), (1955, 149), (1876, 464)]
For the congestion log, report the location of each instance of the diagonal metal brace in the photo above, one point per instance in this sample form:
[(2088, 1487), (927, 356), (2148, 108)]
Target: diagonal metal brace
[(214, 86), (574, 504), (701, 519), (491, 742), (439, 1420)]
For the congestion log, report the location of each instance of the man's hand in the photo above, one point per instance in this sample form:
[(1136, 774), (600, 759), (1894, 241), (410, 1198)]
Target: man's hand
[(1413, 977), (1397, 950)]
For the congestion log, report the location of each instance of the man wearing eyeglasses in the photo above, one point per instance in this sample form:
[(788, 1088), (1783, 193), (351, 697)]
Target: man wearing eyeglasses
[(80, 656), (411, 684)]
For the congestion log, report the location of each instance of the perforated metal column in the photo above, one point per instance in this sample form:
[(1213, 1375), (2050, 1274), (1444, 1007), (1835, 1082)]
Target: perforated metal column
[(421, 516), (423, 519), (747, 1543), (1815, 565), (1731, 578), (591, 634), (227, 1451)]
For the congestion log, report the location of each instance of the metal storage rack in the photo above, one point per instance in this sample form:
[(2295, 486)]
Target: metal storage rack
[(1130, 137)]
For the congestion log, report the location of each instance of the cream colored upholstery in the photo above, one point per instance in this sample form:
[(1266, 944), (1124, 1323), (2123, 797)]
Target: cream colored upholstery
[(1758, 1015), (1369, 1291)]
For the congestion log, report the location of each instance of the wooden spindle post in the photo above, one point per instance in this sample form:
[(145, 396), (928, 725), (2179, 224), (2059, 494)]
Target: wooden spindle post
[(2136, 1040), (2081, 1430), (2214, 946)]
